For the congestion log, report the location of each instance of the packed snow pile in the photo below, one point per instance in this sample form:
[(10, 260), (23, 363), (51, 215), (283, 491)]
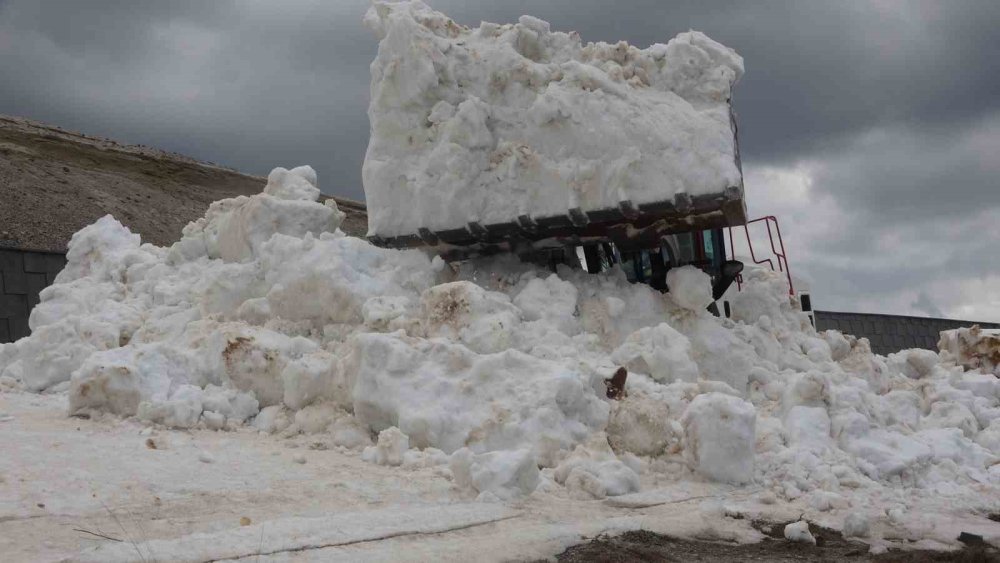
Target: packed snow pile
[(500, 121), (494, 371)]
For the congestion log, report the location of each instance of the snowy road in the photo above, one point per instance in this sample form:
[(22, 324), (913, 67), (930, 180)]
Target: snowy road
[(163, 494)]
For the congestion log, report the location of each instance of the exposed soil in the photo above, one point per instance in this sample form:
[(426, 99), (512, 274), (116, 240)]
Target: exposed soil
[(830, 546), (54, 182)]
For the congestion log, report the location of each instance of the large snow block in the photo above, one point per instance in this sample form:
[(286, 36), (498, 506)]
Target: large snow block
[(719, 437), (973, 348), (479, 135)]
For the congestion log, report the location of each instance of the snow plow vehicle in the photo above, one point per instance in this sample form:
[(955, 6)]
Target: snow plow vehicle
[(518, 139)]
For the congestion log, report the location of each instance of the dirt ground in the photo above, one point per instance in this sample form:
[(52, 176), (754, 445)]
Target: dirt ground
[(830, 546), (53, 182)]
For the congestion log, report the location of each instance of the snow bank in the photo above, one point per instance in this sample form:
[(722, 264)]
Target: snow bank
[(491, 123), (265, 314), (494, 370)]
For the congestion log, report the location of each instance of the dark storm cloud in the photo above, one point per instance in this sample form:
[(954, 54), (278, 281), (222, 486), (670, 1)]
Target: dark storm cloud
[(886, 113)]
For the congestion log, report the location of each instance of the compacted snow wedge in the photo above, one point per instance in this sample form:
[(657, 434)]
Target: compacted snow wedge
[(515, 138)]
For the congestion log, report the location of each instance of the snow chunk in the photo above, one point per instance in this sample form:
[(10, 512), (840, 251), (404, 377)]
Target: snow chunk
[(313, 377), (378, 312), (482, 320), (272, 419), (690, 287), (551, 298), (595, 470), (915, 363), (719, 437), (644, 424), (235, 229), (505, 474), (764, 300), (660, 352), (799, 532), (389, 450), (297, 183), (99, 251)]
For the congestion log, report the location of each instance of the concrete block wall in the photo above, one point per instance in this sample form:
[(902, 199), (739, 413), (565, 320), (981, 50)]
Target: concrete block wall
[(891, 333), (23, 275)]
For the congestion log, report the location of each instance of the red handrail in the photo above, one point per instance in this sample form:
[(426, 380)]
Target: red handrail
[(781, 257)]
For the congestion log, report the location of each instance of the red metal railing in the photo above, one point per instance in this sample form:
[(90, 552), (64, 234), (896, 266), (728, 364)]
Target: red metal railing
[(779, 256)]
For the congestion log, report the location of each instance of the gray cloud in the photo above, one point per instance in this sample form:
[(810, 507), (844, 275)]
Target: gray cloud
[(869, 127), (923, 303)]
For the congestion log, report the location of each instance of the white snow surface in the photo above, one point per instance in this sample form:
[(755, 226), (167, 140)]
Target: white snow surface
[(490, 375), (499, 121)]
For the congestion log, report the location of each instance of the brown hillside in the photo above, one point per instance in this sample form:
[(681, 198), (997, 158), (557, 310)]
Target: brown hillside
[(54, 182)]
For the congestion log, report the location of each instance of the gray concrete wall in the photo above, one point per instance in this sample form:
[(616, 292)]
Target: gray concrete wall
[(23, 274), (891, 333)]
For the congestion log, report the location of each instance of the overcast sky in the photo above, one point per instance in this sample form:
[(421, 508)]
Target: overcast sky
[(871, 129)]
